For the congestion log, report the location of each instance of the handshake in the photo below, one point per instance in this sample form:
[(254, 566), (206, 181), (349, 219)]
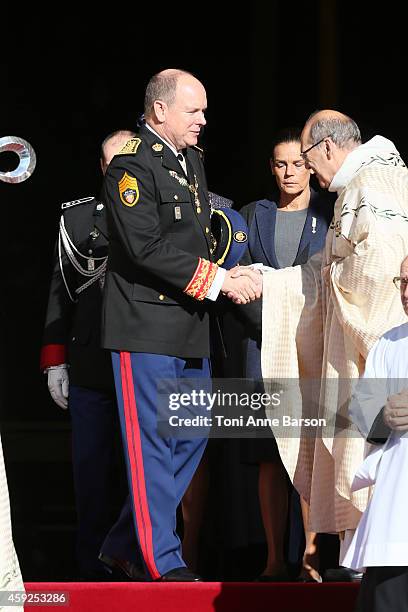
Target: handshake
[(242, 284)]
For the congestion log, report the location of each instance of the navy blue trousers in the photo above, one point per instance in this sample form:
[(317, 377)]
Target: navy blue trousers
[(94, 421), (159, 467)]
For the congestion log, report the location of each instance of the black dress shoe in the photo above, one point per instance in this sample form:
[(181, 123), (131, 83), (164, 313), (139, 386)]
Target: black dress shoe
[(180, 574), (281, 577), (342, 574), (122, 569)]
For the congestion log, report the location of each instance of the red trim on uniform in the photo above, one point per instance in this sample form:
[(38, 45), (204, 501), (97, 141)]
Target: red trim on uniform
[(199, 294), (134, 443), (202, 292), (196, 273), (202, 280), (52, 355)]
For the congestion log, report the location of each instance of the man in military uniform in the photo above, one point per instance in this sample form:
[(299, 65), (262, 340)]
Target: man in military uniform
[(79, 371), (159, 282)]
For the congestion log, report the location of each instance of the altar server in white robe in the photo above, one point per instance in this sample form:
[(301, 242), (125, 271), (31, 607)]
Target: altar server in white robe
[(380, 410)]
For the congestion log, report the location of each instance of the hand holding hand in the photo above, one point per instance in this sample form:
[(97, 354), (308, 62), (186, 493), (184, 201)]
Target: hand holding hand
[(242, 284)]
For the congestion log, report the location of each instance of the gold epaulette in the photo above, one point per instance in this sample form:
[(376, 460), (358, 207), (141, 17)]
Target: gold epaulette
[(130, 147)]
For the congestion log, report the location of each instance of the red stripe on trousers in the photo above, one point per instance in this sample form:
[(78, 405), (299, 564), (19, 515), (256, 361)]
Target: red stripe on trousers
[(144, 525)]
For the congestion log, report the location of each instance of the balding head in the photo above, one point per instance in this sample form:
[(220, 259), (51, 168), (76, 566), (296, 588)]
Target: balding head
[(175, 103), (343, 131), (163, 86), (327, 139), (112, 144)]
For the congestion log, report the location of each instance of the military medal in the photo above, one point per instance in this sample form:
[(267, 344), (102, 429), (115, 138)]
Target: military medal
[(192, 188), (91, 264), (177, 213), (194, 191)]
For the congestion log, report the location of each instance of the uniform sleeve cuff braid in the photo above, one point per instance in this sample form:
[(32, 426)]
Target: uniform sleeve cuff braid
[(202, 279)]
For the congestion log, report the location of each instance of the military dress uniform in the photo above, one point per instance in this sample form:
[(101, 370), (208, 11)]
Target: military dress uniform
[(72, 336), (156, 323)]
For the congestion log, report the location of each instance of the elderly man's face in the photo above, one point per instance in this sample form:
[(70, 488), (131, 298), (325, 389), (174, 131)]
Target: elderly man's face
[(404, 285), (316, 158), (185, 117)]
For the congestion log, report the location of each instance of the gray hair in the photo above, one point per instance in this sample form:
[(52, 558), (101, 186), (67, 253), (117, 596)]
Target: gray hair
[(162, 86), (342, 131)]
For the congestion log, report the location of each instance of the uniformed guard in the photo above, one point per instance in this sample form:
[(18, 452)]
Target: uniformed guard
[(159, 279), (80, 371)]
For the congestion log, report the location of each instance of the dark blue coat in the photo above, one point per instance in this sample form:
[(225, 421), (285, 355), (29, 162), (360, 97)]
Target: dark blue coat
[(261, 220)]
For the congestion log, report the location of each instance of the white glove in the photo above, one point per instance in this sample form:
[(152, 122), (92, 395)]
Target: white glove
[(58, 384)]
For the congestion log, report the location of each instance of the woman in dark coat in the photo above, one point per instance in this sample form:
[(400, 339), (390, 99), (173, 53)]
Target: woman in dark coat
[(283, 232)]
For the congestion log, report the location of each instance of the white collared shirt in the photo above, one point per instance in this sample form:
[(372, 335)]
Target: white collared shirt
[(182, 161)]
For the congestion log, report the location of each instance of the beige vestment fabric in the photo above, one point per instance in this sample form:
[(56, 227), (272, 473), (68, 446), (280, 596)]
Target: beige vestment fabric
[(330, 329), (10, 576)]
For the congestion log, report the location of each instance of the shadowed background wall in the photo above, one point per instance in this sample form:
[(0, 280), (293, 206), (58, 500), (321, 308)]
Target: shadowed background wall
[(65, 86)]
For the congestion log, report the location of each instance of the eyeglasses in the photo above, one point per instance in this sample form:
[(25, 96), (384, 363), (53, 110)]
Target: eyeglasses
[(400, 282), (304, 153)]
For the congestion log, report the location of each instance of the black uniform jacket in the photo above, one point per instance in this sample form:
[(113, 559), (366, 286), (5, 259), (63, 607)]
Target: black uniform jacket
[(72, 329), (159, 266)]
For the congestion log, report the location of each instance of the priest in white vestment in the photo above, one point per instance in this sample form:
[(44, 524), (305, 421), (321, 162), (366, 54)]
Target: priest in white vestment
[(332, 310), (380, 401)]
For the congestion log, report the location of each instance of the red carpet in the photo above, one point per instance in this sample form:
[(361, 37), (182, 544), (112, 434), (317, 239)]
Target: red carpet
[(203, 597)]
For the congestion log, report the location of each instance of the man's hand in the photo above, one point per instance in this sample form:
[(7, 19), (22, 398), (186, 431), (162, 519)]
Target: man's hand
[(395, 413), (58, 384), (242, 284)]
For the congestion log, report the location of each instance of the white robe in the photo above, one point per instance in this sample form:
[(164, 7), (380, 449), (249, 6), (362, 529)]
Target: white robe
[(10, 576), (326, 332), (381, 538)]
